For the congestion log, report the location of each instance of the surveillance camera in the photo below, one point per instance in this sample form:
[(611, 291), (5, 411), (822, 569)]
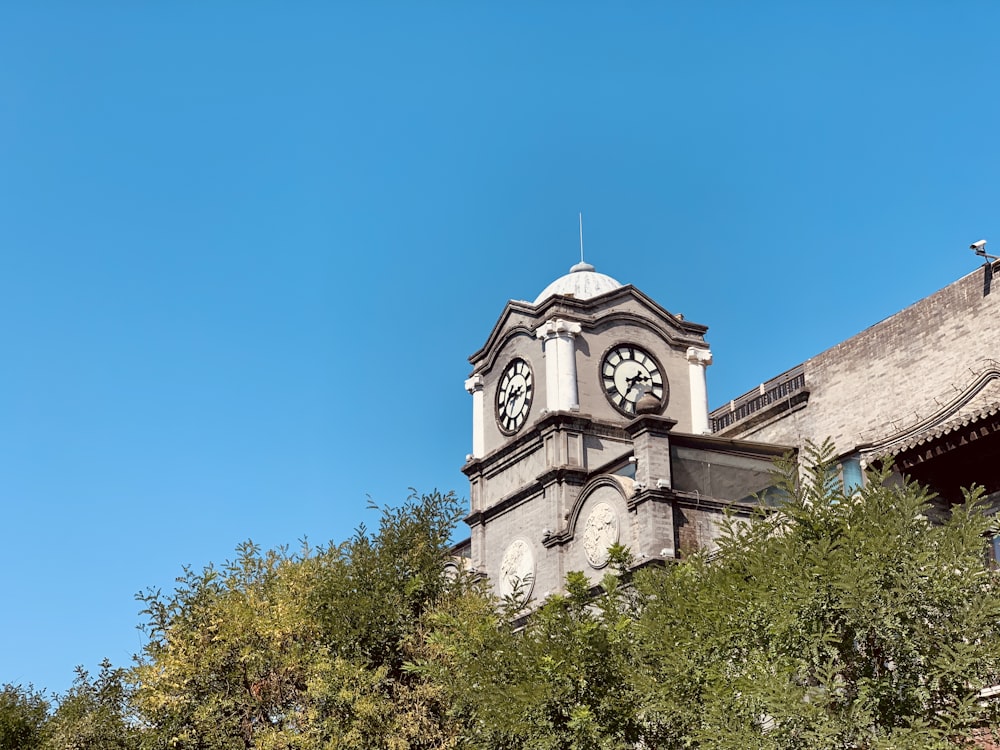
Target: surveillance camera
[(978, 245)]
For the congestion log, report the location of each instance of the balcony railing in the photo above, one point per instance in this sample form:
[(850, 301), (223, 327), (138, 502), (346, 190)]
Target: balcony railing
[(774, 390)]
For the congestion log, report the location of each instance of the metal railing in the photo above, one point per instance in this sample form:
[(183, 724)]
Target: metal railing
[(776, 389)]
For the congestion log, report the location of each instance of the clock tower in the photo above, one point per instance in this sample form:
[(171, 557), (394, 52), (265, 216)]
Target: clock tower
[(586, 404)]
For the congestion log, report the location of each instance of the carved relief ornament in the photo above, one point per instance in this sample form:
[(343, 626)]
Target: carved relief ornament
[(599, 533), (517, 569)]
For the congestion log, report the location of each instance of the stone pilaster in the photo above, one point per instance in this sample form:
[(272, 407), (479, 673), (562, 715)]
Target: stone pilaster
[(698, 360), (651, 448), (474, 385), (651, 503), (559, 346)]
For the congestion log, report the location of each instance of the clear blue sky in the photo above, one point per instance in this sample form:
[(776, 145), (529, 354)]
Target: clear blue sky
[(246, 248)]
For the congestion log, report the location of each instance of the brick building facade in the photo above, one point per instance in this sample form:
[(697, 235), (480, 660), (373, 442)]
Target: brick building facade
[(591, 422), (922, 387)]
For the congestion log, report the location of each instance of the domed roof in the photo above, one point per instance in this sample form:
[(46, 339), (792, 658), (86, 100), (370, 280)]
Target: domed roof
[(582, 282)]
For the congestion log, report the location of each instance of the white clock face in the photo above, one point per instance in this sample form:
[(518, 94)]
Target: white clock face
[(627, 374), (514, 393)]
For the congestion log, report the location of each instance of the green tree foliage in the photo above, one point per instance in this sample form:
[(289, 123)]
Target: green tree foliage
[(833, 621), (23, 713), (561, 678), (301, 651), (837, 621), (94, 714)]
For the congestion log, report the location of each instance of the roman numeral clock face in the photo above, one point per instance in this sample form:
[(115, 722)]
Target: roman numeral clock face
[(627, 374), (514, 393)]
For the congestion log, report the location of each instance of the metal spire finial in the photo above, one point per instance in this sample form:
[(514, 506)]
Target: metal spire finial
[(582, 265)]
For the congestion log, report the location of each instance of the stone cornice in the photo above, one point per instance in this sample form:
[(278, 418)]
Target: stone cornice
[(734, 446), (693, 500), (531, 440), (574, 475), (644, 495), (650, 423)]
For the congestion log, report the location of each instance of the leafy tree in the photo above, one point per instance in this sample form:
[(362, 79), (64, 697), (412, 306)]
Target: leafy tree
[(274, 650), (561, 678), (832, 621), (94, 714), (836, 621), (23, 713)]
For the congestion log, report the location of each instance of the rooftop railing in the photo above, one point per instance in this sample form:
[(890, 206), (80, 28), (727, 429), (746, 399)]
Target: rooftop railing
[(774, 390)]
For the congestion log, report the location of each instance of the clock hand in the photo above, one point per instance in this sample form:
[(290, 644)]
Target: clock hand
[(512, 397), (637, 378)]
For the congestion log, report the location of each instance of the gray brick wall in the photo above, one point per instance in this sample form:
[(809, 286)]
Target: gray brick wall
[(897, 373)]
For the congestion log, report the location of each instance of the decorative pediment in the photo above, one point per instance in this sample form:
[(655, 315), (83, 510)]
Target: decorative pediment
[(623, 305)]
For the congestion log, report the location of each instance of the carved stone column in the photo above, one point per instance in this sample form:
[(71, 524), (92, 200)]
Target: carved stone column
[(558, 344), (474, 385), (698, 360)]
